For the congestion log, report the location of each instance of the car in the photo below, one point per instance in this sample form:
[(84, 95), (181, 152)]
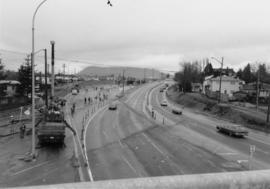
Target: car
[(232, 130), (113, 106), (161, 90), (164, 103), (176, 111)]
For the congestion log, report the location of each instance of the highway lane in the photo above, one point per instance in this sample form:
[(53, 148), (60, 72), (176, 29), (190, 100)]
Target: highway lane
[(230, 148), (126, 144)]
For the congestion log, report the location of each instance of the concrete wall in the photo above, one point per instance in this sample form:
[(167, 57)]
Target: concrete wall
[(229, 180)]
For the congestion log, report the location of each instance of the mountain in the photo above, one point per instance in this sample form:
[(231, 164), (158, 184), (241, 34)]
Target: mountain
[(138, 73)]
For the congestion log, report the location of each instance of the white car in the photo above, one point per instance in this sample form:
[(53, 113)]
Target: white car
[(164, 103)]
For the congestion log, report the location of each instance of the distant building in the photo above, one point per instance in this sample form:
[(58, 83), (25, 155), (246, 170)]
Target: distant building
[(229, 84), (8, 88), (251, 89)]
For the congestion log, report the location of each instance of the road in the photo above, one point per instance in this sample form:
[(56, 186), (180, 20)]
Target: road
[(126, 143), (129, 143), (203, 127)]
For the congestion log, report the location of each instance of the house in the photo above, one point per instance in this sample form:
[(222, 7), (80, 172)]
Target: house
[(8, 88), (196, 87), (251, 89), (229, 84)]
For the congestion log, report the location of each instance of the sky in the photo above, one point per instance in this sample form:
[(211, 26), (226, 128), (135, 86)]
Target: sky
[(156, 34)]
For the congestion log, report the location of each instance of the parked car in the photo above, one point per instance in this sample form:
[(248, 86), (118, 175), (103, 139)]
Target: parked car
[(233, 130), (164, 103)]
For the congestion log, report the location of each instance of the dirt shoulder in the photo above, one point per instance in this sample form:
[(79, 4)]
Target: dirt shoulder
[(233, 112)]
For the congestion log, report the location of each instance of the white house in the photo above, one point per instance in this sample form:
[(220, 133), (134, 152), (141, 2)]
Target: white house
[(229, 84)]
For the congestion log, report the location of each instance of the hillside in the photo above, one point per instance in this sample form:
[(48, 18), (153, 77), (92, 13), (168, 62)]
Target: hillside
[(129, 72)]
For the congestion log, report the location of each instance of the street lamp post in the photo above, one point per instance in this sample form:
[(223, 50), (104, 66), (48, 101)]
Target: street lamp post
[(220, 76), (33, 153)]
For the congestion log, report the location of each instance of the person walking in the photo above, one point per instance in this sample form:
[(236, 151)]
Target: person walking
[(22, 130)]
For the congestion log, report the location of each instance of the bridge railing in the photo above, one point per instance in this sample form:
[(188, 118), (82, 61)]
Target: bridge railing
[(229, 180)]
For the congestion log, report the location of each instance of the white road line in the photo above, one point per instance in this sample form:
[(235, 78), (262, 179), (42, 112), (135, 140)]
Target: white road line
[(105, 134), (259, 140), (122, 146), (227, 153), (29, 168), (84, 139), (129, 164), (153, 144), (242, 161)]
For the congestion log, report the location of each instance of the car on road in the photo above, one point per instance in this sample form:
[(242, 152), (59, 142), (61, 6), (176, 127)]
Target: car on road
[(233, 130), (113, 106), (74, 91), (164, 103), (176, 110)]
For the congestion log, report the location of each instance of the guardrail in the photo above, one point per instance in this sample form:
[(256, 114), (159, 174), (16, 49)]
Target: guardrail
[(229, 180)]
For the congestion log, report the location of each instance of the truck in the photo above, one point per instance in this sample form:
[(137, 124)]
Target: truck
[(51, 130), (232, 130)]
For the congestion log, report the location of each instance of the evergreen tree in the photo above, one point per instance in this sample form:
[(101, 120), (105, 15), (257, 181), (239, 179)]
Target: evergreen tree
[(247, 75), (208, 70), (25, 78), (2, 71)]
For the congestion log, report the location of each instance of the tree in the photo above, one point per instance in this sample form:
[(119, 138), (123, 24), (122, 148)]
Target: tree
[(264, 75), (208, 70), (25, 78), (190, 74), (2, 71), (247, 75)]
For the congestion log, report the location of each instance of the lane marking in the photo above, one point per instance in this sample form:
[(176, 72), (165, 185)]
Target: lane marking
[(258, 140), (242, 161), (122, 146), (129, 164), (151, 142), (29, 168), (227, 153)]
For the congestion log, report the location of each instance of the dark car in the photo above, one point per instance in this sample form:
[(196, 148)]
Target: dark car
[(113, 106), (176, 111), (232, 130)]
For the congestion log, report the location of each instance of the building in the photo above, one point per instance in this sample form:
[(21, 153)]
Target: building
[(8, 88), (229, 84), (196, 87), (251, 89)]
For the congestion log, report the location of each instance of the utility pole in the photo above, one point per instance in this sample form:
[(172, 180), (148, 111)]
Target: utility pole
[(268, 109), (64, 68), (220, 80), (52, 59), (152, 74), (258, 90), (46, 84), (123, 81), (144, 75)]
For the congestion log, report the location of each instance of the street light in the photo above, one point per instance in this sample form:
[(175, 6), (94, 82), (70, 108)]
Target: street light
[(33, 153), (220, 76)]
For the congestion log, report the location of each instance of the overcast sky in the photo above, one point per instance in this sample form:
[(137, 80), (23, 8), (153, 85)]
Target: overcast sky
[(145, 33)]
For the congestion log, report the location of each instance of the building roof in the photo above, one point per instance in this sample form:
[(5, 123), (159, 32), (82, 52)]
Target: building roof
[(253, 86), (10, 82), (225, 78)]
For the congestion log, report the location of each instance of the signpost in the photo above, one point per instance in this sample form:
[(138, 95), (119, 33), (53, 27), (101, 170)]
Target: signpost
[(252, 149)]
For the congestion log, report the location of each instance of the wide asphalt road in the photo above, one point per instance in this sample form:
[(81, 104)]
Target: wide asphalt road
[(199, 129), (125, 143)]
